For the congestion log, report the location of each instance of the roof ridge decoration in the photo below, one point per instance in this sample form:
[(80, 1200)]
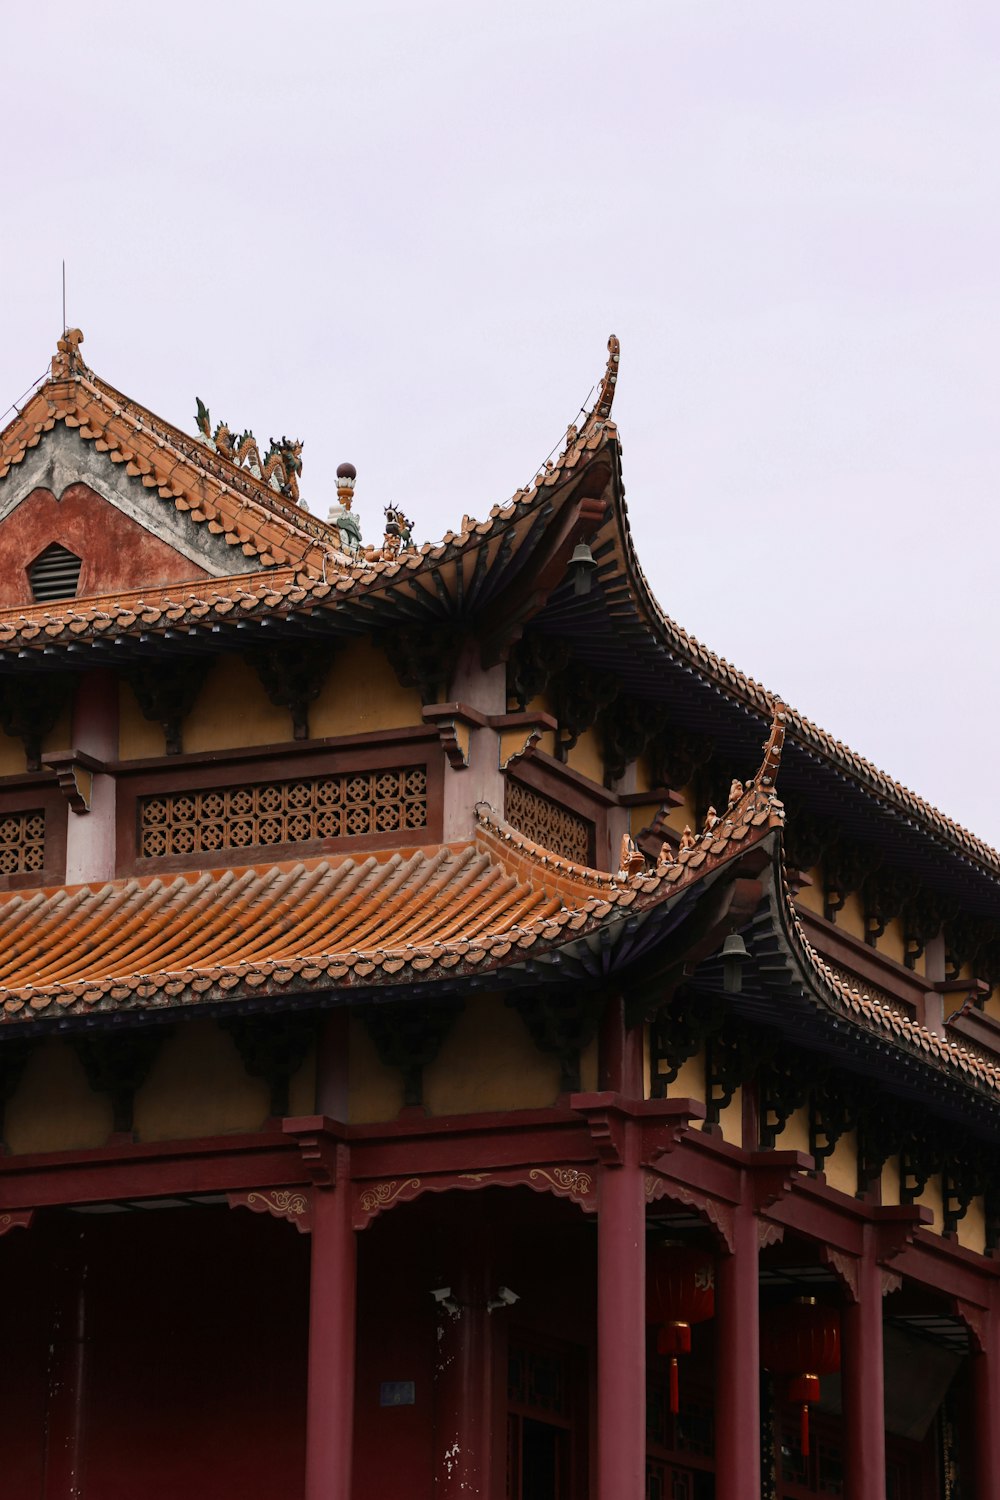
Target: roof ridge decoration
[(230, 501), (280, 467)]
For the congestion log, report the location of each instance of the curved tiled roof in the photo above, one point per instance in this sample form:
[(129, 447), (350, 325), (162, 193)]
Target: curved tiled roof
[(185, 473), (319, 925), (179, 470)]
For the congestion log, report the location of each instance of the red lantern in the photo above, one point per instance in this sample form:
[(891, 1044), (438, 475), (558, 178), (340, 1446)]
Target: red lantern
[(680, 1290), (801, 1340)]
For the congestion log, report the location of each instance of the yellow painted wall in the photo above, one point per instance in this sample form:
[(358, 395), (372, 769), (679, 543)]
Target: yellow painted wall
[(690, 1080), (891, 943), (488, 1061), (731, 1120), (12, 757), (138, 737), (362, 694), (541, 705), (585, 757), (795, 1136), (199, 1086), (811, 896), (374, 1091), (233, 709), (972, 1228), (931, 1198), (842, 1166), (851, 916), (890, 1181), (60, 736), (54, 1107)]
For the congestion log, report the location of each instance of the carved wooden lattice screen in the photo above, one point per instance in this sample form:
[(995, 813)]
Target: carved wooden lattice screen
[(546, 822), (22, 842), (349, 804)]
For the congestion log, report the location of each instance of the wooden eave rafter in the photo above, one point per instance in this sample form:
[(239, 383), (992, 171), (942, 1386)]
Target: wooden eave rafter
[(788, 986)]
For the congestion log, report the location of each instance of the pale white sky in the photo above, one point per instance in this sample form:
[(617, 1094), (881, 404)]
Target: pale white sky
[(403, 229)]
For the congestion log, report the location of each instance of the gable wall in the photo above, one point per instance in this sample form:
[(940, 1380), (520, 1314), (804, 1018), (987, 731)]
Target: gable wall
[(118, 554)]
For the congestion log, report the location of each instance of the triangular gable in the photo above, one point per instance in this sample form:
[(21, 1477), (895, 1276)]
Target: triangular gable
[(140, 502)]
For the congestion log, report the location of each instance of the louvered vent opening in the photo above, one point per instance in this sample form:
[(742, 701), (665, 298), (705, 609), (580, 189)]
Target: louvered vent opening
[(55, 574)]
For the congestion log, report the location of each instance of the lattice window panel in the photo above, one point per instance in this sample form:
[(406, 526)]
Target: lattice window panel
[(22, 842), (349, 804), (545, 822)]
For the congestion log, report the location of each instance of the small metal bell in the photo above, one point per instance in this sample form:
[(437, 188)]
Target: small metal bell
[(582, 564), (734, 956)]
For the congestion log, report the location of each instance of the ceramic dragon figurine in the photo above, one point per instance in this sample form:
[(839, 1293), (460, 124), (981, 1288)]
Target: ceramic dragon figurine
[(279, 468)]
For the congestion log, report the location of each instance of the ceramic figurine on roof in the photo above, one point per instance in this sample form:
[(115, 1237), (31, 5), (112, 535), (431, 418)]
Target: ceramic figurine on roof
[(354, 921), (279, 469), (341, 515)]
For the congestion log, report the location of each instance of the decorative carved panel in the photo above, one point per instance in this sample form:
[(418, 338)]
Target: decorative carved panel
[(546, 823), (22, 841), (346, 804)]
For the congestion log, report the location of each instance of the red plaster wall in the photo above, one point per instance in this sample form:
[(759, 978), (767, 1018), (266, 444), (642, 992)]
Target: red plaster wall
[(118, 554)]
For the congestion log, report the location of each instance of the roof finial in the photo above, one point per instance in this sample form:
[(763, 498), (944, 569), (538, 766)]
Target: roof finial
[(341, 514), (606, 394), (67, 356)]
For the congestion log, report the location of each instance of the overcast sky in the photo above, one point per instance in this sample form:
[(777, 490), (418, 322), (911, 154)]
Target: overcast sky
[(403, 229)]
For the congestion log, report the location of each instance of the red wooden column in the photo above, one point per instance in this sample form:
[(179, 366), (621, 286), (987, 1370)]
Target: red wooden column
[(463, 1389), (737, 1364), (986, 1409), (863, 1380), (64, 1417), (621, 1326), (332, 1337)]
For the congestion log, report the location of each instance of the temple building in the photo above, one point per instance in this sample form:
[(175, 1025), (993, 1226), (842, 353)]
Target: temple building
[(458, 1036)]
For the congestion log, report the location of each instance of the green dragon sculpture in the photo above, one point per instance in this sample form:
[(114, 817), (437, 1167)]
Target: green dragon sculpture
[(279, 468)]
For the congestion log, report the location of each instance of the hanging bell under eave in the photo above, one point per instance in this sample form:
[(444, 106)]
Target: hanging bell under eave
[(582, 565), (734, 956)]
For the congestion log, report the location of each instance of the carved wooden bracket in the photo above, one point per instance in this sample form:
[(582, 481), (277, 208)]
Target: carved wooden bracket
[(975, 1318), (165, 692), (520, 734), (772, 1174), (75, 771), (294, 1205), (16, 1219), (845, 1268), (718, 1216), (895, 1228), (769, 1233), (409, 1037), (423, 657), (578, 1184), (117, 1063), (647, 1128), (560, 1025), (273, 1047), (322, 1148), (455, 723), (293, 677), (30, 707)]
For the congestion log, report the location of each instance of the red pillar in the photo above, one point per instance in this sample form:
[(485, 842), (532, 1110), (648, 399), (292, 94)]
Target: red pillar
[(64, 1417), (621, 1329), (863, 1381), (986, 1410), (737, 1365), (330, 1404), (463, 1390)]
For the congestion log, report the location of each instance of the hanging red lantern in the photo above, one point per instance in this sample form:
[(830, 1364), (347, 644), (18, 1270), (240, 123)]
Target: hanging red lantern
[(680, 1290), (801, 1340)]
